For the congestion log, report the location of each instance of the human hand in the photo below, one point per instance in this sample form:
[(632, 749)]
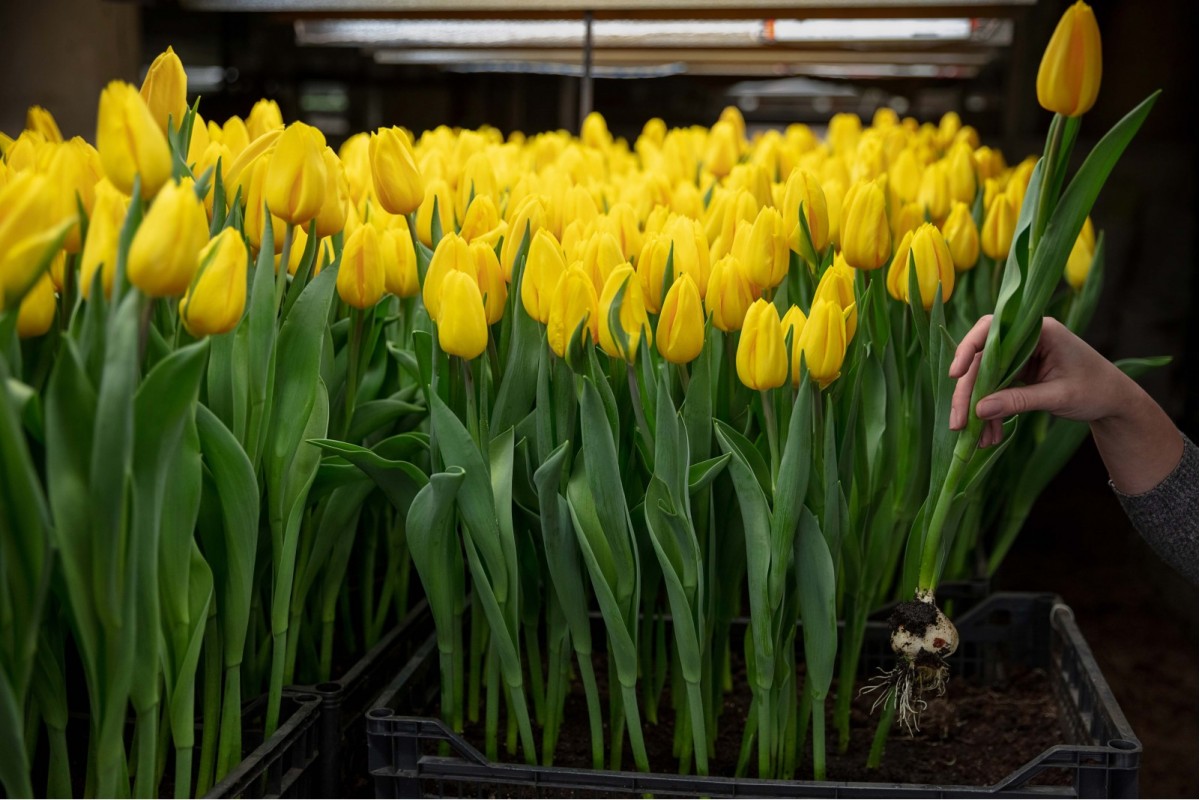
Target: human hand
[(1064, 376)]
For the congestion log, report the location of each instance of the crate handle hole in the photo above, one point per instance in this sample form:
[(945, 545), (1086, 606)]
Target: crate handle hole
[(1123, 744), (379, 713)]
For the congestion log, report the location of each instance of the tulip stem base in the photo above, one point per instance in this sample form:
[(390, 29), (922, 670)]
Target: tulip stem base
[(638, 412)]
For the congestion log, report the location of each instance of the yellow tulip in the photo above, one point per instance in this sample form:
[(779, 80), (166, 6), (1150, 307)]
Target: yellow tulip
[(621, 221), (960, 173), (394, 173), (296, 177), (360, 277), (762, 361), (803, 191), (235, 135), (36, 312), (265, 116), (837, 286), (691, 252), (482, 222), (934, 194), (529, 218), (73, 182), (574, 304), (680, 334), (823, 340), (237, 173), (216, 299), (40, 120), (904, 176), (453, 254), (22, 154), (32, 222), (165, 90), (490, 279), (543, 267), (897, 274), (990, 162), (631, 315), (652, 268), (104, 231), (332, 216), (254, 222), (991, 188), (844, 130), (355, 155), (934, 266), (1083, 253), (835, 197), (477, 179), (439, 193), (907, 217), (1068, 78), (601, 254), (462, 329), (723, 149), (730, 294), (962, 237), (58, 269), (865, 236), (948, 128), (198, 143), (400, 263), (130, 141), (166, 247), (764, 255), (1018, 182), (594, 132), (793, 323), (998, 227)]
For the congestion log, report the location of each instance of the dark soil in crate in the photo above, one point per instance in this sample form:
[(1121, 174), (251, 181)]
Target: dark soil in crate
[(974, 735)]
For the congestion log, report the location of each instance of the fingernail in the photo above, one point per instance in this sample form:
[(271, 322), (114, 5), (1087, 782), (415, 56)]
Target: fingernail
[(956, 420), (987, 407)]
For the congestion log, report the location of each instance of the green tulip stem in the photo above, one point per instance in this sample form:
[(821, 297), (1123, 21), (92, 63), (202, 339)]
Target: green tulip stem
[(284, 256), (638, 412), (1049, 170), (772, 427), (353, 357), (964, 448), (472, 403), (881, 733)]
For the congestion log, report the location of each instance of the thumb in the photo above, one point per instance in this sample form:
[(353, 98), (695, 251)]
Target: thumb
[(1019, 399)]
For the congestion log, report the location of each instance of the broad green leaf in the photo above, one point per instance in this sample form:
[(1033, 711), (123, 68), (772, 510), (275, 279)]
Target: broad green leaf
[(816, 588), (436, 553)]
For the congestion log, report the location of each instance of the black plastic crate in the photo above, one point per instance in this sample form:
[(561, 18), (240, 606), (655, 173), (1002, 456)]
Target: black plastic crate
[(1099, 751), (283, 765)]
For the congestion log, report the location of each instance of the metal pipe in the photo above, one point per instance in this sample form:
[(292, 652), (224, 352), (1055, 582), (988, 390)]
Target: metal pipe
[(585, 88)]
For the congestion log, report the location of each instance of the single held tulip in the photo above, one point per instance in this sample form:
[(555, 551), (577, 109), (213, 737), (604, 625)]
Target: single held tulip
[(680, 334), (166, 247), (490, 279), (998, 226), (1068, 78), (837, 286), (40, 120), (573, 307), (296, 176), (336, 202), (32, 223), (217, 297), (453, 254), (865, 236), (823, 340), (104, 231), (165, 90), (730, 294), (624, 291), (764, 251), (962, 237), (543, 267), (1083, 253), (130, 141), (793, 323), (394, 172), (360, 279), (400, 263), (462, 328), (762, 361), (36, 312), (803, 192)]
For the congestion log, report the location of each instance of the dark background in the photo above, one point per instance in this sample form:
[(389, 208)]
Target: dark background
[(1140, 618)]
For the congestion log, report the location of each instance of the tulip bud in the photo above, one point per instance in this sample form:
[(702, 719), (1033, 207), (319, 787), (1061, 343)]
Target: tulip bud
[(835, 194), (254, 222), (264, 117), (906, 218), (216, 299), (837, 286), (529, 218), (904, 176), (680, 334), (73, 182), (601, 255), (897, 274), (793, 323), (594, 132), (844, 130), (1083, 253), (36, 312), (762, 361), (237, 173), (934, 194), (933, 263), (453, 254), (490, 280), (31, 225), (332, 216), (103, 232), (1068, 78), (235, 135), (130, 141), (361, 276), (865, 237), (40, 120), (477, 179), (482, 222), (730, 294), (573, 305), (1018, 182), (998, 227), (165, 90), (630, 315), (764, 254), (823, 340), (961, 237), (691, 252), (960, 173), (394, 173), (948, 128), (543, 267), (803, 191), (462, 329), (652, 268), (723, 149), (296, 178), (400, 263), (438, 192), (166, 247)]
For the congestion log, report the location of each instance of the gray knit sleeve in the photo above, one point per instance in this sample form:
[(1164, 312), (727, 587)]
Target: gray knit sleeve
[(1165, 516)]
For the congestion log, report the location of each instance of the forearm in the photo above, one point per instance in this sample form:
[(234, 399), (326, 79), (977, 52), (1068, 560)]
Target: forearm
[(1139, 443)]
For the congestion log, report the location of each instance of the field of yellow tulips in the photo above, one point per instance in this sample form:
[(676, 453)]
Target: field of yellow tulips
[(252, 382)]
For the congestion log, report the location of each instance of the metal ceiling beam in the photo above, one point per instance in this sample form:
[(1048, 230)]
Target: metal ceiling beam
[(619, 57)]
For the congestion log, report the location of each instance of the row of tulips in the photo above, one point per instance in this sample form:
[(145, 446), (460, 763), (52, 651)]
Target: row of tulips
[(250, 379)]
